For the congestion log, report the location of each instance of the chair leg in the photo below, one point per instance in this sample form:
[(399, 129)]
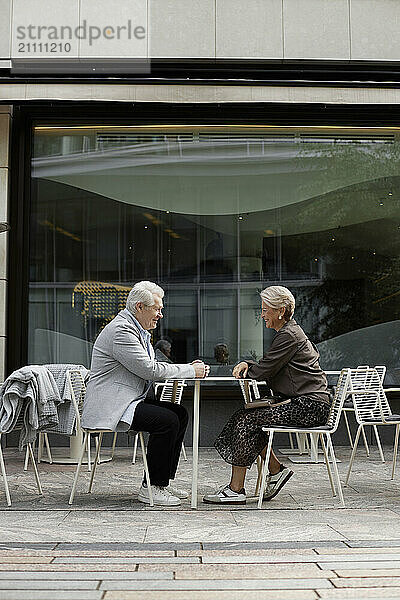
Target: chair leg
[(78, 467), (365, 442), (96, 441), (396, 444), (378, 442), (48, 450), (335, 468), (291, 443), (3, 472), (95, 462), (89, 461), (114, 444), (348, 428), (260, 464), (26, 462), (135, 445), (265, 469), (40, 447), (353, 453), (328, 467), (146, 468), (39, 486), (184, 452)]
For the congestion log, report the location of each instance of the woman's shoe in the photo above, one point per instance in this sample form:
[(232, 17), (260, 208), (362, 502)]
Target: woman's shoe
[(276, 482), (226, 496)]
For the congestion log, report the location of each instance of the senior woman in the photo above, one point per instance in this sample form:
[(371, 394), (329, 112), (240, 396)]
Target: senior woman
[(301, 399)]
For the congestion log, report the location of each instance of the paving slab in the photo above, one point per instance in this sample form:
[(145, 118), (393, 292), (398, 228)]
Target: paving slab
[(42, 584), (240, 534), (209, 595), (377, 543), (128, 546), (359, 582), (359, 593), (267, 545), (25, 559), (252, 572), (72, 567), (247, 552), (51, 595), (121, 560), (368, 572), (221, 584), (85, 576), (334, 566), (359, 550)]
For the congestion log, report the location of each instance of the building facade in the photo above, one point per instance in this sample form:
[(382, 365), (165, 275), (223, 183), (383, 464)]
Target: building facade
[(239, 145)]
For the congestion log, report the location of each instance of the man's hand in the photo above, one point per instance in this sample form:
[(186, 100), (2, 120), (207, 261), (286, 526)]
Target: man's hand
[(240, 371), (201, 370)]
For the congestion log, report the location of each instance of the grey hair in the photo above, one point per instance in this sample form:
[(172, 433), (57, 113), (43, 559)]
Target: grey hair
[(143, 291), (278, 296)]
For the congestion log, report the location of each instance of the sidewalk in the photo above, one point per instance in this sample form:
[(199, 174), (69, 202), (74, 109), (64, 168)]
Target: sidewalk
[(108, 546)]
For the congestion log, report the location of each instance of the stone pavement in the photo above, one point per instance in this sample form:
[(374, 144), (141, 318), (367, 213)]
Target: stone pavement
[(108, 546)]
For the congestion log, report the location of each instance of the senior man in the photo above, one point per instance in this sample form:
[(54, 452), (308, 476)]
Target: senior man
[(120, 394)]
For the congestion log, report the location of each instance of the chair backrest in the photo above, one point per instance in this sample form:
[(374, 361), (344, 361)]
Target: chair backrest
[(78, 390), (171, 389), (341, 391), (381, 370), (370, 402)]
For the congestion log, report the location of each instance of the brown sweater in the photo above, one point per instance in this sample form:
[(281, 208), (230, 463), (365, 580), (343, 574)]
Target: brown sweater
[(291, 365)]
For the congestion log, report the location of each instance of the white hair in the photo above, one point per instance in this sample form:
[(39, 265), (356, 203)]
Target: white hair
[(277, 296), (143, 291)]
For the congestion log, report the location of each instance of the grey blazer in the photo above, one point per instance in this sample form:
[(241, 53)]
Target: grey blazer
[(120, 370)]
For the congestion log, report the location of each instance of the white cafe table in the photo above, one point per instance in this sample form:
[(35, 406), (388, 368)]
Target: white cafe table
[(196, 424)]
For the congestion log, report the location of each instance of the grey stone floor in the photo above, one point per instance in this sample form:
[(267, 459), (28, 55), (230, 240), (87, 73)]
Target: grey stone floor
[(108, 546)]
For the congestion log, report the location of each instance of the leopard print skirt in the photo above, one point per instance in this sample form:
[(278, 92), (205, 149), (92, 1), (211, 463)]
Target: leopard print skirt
[(242, 438)]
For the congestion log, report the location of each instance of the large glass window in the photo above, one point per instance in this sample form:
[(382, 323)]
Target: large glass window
[(214, 214)]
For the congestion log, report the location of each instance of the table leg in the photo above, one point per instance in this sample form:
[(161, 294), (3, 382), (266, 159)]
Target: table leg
[(195, 462)]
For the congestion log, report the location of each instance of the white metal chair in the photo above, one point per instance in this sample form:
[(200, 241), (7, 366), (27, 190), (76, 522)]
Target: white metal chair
[(77, 387), (349, 408), (18, 426), (77, 383), (371, 408), (172, 391), (324, 430)]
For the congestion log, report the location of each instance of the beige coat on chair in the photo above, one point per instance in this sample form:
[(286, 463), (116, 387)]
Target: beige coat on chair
[(121, 367)]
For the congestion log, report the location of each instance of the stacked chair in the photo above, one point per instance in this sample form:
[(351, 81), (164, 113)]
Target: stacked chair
[(371, 407)]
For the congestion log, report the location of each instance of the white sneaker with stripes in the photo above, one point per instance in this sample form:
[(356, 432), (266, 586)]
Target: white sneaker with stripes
[(226, 496)]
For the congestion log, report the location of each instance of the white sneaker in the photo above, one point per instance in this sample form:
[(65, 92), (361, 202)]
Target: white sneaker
[(226, 496), (276, 482), (178, 492), (161, 496)]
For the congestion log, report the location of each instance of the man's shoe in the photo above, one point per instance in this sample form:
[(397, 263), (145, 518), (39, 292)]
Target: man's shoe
[(178, 492), (226, 496), (276, 482), (161, 496)]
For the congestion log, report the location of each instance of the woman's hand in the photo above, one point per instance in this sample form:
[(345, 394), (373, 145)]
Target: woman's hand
[(240, 371)]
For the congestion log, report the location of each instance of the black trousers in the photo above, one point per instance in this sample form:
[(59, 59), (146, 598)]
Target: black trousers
[(166, 423)]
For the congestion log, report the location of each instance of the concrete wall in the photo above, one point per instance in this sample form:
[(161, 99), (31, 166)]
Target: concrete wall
[(5, 122), (254, 29)]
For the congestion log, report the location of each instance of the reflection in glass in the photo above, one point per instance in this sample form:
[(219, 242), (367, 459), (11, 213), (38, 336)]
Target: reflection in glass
[(214, 217)]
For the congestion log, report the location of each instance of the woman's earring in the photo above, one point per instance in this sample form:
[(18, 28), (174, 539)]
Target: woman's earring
[(280, 317)]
